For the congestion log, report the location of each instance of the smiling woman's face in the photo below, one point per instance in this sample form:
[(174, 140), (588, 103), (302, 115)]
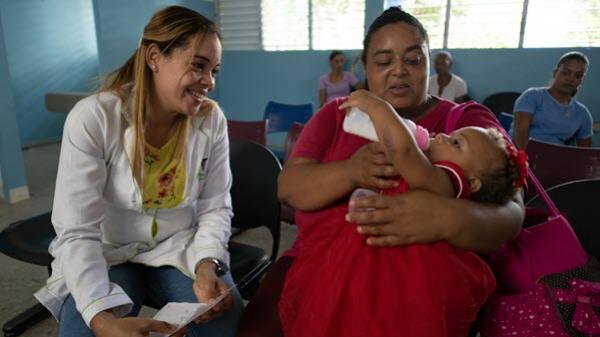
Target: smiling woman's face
[(397, 65), (182, 86)]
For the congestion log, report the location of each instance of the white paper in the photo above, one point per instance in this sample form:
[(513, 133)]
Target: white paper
[(181, 314)]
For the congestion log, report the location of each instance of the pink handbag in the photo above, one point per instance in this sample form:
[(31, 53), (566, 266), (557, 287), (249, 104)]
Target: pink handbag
[(546, 284)]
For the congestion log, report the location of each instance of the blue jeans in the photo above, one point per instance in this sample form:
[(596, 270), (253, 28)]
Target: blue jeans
[(161, 285)]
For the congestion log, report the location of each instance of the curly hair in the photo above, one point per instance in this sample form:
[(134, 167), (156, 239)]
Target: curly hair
[(499, 184)]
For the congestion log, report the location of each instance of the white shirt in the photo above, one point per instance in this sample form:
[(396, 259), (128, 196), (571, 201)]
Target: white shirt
[(98, 215), (456, 88)]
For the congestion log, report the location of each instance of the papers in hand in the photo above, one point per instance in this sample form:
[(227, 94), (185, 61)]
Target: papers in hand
[(181, 314)]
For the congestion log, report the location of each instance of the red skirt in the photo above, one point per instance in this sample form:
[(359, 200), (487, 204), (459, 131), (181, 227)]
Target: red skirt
[(339, 286)]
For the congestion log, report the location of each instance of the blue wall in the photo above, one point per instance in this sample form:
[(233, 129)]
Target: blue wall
[(12, 171), (119, 25), (50, 46), (493, 70), (249, 79)]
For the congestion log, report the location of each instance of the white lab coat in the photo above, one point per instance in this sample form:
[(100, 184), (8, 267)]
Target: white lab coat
[(98, 215)]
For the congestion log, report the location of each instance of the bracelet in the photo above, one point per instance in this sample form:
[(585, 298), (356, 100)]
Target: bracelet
[(220, 267)]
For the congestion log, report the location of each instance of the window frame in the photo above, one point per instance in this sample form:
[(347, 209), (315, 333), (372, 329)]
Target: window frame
[(310, 46), (522, 29)]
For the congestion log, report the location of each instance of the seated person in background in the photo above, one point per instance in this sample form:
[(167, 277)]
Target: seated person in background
[(418, 290), (337, 83), (552, 114), (445, 84)]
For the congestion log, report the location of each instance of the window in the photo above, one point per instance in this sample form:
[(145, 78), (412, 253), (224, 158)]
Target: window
[(485, 24), (337, 24), (285, 24), (557, 23), (431, 13), (314, 24), (239, 21), (291, 24), (507, 23)]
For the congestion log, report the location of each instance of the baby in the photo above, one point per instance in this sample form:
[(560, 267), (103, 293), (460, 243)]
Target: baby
[(340, 286)]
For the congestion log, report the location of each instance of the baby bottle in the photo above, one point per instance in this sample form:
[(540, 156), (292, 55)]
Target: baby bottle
[(361, 193), (358, 123)]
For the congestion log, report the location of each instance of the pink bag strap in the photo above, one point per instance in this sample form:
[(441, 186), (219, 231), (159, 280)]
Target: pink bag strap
[(545, 197), (456, 112), (452, 118)]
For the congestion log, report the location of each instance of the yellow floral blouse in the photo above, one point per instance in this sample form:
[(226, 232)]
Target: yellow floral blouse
[(164, 179)]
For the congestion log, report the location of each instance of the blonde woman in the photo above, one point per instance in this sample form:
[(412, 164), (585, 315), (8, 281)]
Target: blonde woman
[(142, 206)]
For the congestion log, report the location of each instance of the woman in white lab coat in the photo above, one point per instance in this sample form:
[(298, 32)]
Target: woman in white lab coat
[(142, 206)]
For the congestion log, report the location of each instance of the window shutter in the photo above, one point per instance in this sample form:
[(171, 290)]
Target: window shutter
[(239, 22)]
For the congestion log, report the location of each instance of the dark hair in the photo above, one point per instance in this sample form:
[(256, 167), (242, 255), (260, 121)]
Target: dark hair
[(570, 56), (391, 15), (499, 185), (334, 53)]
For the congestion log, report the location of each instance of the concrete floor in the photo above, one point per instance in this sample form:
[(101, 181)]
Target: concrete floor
[(18, 280)]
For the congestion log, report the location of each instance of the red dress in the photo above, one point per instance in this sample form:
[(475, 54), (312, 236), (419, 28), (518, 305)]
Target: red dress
[(339, 286)]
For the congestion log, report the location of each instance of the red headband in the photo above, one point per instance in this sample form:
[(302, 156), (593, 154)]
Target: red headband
[(518, 159)]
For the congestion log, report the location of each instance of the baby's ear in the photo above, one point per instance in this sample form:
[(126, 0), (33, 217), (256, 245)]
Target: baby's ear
[(474, 184)]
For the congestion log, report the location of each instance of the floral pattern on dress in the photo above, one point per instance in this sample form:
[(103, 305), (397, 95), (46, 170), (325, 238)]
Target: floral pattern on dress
[(164, 178), (166, 192)]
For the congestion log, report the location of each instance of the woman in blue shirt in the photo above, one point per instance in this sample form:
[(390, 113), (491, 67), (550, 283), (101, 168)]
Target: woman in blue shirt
[(553, 114)]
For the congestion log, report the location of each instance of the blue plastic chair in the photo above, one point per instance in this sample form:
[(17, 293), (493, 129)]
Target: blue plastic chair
[(281, 117)]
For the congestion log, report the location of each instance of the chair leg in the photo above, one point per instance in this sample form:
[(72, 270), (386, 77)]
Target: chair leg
[(18, 324)]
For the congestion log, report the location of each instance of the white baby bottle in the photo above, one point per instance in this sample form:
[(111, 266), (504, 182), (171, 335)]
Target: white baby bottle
[(358, 123)]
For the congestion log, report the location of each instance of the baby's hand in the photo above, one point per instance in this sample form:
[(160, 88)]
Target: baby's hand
[(365, 101)]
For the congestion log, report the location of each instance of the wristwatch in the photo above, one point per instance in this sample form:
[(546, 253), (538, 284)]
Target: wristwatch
[(220, 267)]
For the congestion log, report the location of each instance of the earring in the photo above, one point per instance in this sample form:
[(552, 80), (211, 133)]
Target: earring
[(154, 69)]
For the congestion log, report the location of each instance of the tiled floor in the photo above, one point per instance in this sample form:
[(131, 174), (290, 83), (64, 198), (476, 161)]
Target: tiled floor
[(18, 280)]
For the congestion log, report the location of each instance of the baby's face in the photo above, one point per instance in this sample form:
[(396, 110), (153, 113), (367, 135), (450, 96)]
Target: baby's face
[(472, 148)]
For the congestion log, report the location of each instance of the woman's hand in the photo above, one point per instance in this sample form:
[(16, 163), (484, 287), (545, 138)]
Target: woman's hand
[(207, 287), (105, 324), (365, 101), (369, 168), (395, 220), (423, 217)]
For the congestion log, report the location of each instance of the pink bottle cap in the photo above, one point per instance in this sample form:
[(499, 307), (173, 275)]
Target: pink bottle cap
[(362, 193), (422, 137)]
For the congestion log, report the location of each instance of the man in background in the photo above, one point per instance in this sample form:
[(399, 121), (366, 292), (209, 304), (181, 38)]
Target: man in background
[(445, 84)]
